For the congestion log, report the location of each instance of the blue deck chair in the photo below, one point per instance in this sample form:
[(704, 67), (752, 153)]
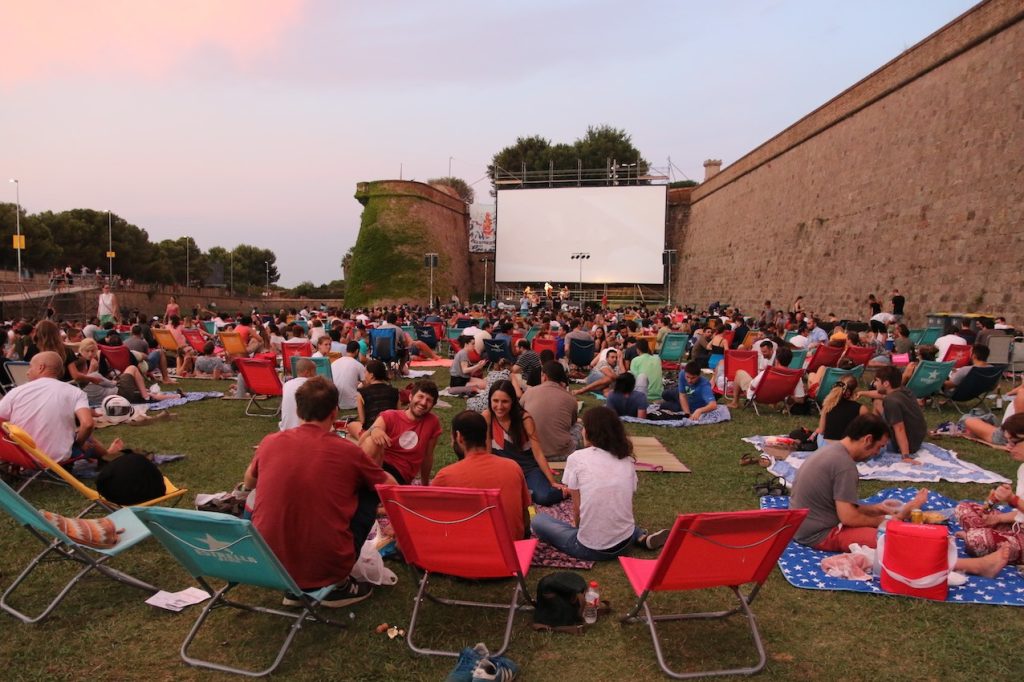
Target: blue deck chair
[(789, 335), (62, 548), (323, 366), (799, 358), (411, 331), (928, 378), (916, 335), (714, 360), (301, 321), (427, 335), (210, 326), (532, 332), (831, 376), (930, 336), (99, 335), (384, 347), (976, 386), (223, 547), (581, 353), (496, 349), (672, 350)]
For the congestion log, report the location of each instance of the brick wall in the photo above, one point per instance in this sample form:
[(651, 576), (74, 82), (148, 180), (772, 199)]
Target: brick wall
[(913, 178)]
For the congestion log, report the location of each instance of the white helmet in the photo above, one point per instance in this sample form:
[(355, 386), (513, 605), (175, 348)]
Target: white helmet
[(117, 409)]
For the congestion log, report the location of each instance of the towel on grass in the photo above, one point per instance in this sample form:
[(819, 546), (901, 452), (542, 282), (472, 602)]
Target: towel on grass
[(801, 566), (189, 397), (937, 464), (715, 416), (548, 556)]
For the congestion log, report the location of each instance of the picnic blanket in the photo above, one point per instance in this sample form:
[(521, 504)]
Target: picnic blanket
[(801, 566), (189, 397), (417, 373), (548, 556), (438, 362), (937, 464), (715, 416), (650, 455)]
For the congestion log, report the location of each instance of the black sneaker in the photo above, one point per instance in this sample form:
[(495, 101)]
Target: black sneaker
[(349, 592), (656, 540)]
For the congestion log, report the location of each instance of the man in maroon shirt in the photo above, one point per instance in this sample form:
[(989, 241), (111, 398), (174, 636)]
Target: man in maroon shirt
[(403, 441), (315, 501)]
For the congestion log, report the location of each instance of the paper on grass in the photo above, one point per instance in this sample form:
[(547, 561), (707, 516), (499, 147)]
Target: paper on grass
[(176, 601)]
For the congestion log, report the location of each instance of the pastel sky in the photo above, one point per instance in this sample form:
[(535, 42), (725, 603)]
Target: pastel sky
[(252, 120)]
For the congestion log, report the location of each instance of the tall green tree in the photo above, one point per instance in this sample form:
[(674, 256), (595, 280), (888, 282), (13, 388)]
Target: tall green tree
[(466, 192)]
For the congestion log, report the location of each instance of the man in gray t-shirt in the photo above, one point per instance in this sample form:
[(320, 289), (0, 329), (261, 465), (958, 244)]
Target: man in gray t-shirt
[(826, 485), (899, 408)]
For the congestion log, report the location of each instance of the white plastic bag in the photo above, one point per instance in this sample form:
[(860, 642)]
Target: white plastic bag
[(369, 566)]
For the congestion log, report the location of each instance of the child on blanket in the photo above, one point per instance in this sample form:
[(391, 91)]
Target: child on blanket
[(987, 531)]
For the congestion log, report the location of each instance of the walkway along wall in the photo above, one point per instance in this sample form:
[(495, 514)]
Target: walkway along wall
[(913, 178)]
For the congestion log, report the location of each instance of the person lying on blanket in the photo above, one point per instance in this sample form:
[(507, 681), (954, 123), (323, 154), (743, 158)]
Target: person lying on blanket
[(1010, 432)]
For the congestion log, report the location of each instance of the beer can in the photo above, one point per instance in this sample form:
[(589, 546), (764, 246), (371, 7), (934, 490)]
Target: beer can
[(916, 516)]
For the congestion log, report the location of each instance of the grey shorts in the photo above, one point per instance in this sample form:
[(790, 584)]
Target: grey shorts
[(999, 437)]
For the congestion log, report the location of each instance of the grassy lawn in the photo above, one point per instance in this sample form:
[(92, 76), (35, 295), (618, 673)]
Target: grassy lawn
[(103, 630)]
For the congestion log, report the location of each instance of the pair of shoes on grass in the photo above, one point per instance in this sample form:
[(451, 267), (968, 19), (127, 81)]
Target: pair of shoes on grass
[(655, 540), (476, 664), (349, 592)]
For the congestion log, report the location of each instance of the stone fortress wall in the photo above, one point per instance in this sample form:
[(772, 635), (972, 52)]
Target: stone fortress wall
[(913, 178)]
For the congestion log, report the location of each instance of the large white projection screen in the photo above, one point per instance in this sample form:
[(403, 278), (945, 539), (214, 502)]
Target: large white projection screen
[(622, 228)]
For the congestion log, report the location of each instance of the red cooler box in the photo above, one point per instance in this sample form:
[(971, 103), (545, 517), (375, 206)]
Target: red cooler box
[(916, 559)]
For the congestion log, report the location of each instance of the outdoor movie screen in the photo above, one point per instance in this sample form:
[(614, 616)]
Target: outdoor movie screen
[(622, 228)]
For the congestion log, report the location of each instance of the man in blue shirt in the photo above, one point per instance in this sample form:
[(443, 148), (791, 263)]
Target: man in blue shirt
[(694, 396), (815, 334)]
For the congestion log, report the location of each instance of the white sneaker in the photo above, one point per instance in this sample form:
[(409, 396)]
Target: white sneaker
[(155, 388)]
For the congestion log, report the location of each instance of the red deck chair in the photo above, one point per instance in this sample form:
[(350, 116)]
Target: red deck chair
[(728, 335), (735, 360), (118, 357), (459, 532), (860, 355), (825, 356), (262, 382), (715, 549), (958, 354), (195, 339), (540, 344), (290, 350), (18, 463), (777, 384)]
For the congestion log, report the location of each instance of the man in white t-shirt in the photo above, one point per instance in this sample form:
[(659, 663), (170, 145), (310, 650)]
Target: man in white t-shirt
[(46, 408), (304, 370), (348, 372), (951, 338)]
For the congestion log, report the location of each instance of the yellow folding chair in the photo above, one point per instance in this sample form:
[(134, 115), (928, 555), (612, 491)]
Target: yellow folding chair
[(19, 437), (165, 339), (233, 344)]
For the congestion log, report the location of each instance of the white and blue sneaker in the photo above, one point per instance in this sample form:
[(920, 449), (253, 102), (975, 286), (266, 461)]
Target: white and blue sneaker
[(468, 660), (496, 669)]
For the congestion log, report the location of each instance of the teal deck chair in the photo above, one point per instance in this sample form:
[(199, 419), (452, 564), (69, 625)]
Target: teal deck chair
[(532, 332), (799, 358), (832, 375), (789, 335), (210, 326), (219, 546), (916, 335), (930, 336), (410, 330), (60, 547), (672, 350), (928, 378), (323, 366)]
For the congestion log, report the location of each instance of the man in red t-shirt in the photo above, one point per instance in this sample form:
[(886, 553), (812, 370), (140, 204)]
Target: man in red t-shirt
[(403, 441), (315, 501), (478, 468)]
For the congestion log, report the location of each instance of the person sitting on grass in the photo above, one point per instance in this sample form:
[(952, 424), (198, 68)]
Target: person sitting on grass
[(838, 410), (210, 364), (601, 479), (605, 369), (648, 365), (901, 411), (402, 442), (93, 375), (463, 369), (624, 400), (513, 434), (694, 396), (375, 396), (315, 510)]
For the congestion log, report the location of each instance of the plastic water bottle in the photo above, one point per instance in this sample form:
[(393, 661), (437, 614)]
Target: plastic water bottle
[(591, 603), (878, 541)]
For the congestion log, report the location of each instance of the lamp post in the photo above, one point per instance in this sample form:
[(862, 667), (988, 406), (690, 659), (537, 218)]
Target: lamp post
[(486, 261), (430, 260), (186, 262), (267, 263), (17, 222), (669, 255), (580, 256), (231, 277), (110, 248)]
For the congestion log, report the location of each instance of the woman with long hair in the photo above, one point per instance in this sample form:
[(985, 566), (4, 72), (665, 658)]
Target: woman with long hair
[(514, 435), (601, 480), (839, 409)]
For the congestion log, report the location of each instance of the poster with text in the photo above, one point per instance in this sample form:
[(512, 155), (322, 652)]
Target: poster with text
[(482, 226)]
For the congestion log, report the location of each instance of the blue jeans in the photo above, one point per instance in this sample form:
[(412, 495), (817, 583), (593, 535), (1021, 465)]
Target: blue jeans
[(540, 488), (562, 536)]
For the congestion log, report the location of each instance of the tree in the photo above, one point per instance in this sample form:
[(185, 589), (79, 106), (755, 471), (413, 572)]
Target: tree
[(346, 262), (458, 184), (173, 254), (252, 265)]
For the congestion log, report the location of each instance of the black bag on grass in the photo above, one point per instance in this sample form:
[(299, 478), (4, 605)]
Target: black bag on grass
[(130, 479), (560, 602)]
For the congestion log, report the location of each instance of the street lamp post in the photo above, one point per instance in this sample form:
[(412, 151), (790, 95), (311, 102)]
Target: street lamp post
[(580, 256), (267, 263), (110, 248), (231, 280), (486, 261), (431, 262), (186, 262), (669, 256), (17, 221)]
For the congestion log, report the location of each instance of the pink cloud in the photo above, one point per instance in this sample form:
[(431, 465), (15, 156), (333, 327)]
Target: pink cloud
[(148, 38)]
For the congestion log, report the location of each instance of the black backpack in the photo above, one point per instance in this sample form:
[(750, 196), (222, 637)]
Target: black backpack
[(560, 602)]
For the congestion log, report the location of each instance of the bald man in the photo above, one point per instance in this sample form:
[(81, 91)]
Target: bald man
[(47, 408)]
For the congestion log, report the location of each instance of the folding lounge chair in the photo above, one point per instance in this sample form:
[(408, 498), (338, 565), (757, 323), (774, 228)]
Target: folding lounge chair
[(799, 357), (117, 357), (581, 353), (323, 366), (959, 355), (735, 360), (459, 532), (829, 379), (261, 379), (777, 384), (195, 339), (825, 356), (233, 345), (290, 350), (859, 355), (60, 547), (979, 382), (165, 339), (384, 347), (223, 547), (210, 326), (19, 465), (19, 437), (427, 335), (410, 330), (928, 378), (716, 549), (452, 335), (17, 372), (930, 336), (673, 348), (496, 349), (531, 333), (540, 344)]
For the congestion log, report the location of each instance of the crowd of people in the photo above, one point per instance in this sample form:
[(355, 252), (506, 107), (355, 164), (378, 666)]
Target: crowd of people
[(518, 365)]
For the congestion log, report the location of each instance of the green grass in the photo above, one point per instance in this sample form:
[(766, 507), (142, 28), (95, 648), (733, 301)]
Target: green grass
[(103, 630)]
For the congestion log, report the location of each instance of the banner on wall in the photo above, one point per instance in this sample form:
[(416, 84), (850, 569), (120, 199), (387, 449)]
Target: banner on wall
[(482, 228)]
